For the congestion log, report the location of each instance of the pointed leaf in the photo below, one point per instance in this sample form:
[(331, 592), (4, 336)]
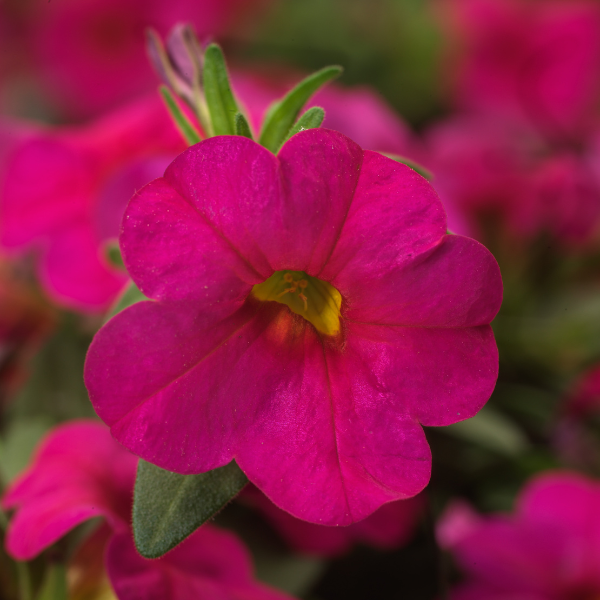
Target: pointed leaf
[(130, 295), (311, 119), (415, 166), (189, 132), (217, 91), (281, 117), (55, 584), (241, 126), (168, 507)]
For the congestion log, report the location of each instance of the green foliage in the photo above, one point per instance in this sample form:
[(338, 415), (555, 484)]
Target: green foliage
[(311, 119), (282, 114), (168, 507), (187, 130), (241, 126), (54, 586), (222, 106), (130, 295)]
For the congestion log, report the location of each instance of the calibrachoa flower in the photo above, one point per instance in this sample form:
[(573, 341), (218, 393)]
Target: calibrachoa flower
[(64, 191), (528, 151), (389, 527), (90, 53), (80, 472), (308, 312), (549, 549), (536, 61)]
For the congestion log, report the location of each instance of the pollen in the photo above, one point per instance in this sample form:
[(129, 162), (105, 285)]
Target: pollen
[(315, 300)]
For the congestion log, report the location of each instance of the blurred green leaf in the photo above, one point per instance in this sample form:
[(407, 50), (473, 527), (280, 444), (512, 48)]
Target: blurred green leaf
[(311, 119), (18, 444), (130, 295), (217, 91), (188, 131), (492, 430), (54, 586), (168, 507), (54, 389), (281, 116)]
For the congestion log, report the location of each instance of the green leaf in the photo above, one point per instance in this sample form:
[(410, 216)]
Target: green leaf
[(130, 295), (311, 119), (241, 126), (415, 166), (113, 254), (168, 507), (282, 115), (217, 91), (55, 584), (187, 130), (492, 430)]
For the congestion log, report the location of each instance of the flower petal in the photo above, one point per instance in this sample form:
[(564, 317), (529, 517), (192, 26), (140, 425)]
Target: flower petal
[(210, 564), (78, 473), (439, 376), (395, 216), (200, 384), (76, 274), (281, 211), (335, 446), (455, 284), (173, 252)]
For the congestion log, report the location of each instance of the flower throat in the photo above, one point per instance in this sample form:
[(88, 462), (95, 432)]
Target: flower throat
[(315, 300)]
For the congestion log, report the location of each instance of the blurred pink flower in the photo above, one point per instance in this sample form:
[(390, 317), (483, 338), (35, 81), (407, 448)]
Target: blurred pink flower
[(489, 168), (64, 191), (527, 152), (320, 405), (80, 472), (536, 61), (391, 526), (91, 53), (584, 396), (549, 549)]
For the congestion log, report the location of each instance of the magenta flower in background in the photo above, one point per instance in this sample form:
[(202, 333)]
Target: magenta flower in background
[(527, 151), (308, 313), (391, 526), (91, 53), (549, 549), (80, 472), (584, 397), (535, 61), (64, 190)]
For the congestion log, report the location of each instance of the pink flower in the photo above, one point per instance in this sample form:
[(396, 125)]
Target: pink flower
[(80, 472), (64, 191), (584, 397), (91, 53), (549, 549), (389, 527), (309, 311), (537, 61)]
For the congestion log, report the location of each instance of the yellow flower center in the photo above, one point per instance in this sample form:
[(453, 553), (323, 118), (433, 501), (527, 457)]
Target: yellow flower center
[(315, 300)]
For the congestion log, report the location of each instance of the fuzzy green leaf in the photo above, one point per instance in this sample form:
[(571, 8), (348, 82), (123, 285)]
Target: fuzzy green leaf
[(311, 119), (222, 106), (241, 126), (187, 130), (168, 507), (282, 115)]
